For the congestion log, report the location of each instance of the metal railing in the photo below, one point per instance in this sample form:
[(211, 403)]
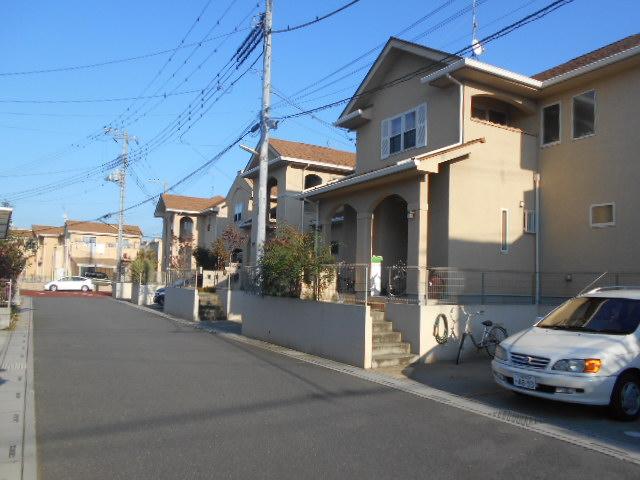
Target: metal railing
[(358, 283), (6, 293)]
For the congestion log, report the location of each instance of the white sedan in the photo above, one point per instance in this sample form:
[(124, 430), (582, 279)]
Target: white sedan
[(585, 351), (70, 283)]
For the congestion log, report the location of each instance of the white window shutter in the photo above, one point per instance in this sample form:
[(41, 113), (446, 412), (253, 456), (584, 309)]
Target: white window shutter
[(421, 125), (384, 138)]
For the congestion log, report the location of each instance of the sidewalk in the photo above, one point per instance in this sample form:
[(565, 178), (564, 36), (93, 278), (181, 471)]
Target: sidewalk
[(17, 412)]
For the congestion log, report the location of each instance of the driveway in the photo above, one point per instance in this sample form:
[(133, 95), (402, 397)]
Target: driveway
[(124, 393), (473, 380)]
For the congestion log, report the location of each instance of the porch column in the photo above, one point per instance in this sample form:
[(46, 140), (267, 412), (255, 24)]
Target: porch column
[(417, 241), (363, 251)]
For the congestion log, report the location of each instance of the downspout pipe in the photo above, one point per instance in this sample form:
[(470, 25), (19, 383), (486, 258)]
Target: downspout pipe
[(460, 108), (536, 183)]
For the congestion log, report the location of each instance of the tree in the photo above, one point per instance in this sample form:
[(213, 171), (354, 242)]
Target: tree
[(291, 259), (205, 258), (182, 260), (233, 239), (14, 254), (144, 266)]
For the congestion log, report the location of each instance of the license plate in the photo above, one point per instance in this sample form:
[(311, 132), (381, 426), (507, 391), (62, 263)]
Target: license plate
[(524, 381)]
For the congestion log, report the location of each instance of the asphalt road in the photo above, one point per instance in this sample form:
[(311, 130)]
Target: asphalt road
[(125, 394)]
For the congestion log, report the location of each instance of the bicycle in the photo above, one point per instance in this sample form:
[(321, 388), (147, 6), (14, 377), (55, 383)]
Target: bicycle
[(492, 335)]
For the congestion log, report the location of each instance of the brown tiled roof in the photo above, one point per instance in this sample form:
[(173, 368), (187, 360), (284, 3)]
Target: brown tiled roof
[(190, 204), (591, 57), (99, 227), (306, 151), (21, 232), (47, 230)]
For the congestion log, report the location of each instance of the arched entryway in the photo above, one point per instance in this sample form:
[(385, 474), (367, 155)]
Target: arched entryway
[(343, 239), (390, 235)]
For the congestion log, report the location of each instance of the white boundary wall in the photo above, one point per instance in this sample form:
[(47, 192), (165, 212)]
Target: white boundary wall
[(182, 302), (143, 294), (416, 325), (331, 330)]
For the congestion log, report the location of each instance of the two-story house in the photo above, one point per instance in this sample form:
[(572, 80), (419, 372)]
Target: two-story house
[(79, 247), (188, 222), (293, 168), (464, 164)]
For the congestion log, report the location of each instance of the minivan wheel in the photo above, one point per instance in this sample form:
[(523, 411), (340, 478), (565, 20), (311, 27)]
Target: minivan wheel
[(625, 399), (85, 288), (53, 288)]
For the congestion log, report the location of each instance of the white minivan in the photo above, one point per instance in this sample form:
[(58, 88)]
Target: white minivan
[(585, 351)]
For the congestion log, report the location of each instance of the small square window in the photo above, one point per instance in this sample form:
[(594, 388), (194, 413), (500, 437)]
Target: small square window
[(504, 228), (603, 215), (584, 114)]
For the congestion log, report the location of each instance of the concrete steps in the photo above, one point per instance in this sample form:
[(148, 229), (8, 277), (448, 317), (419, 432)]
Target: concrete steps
[(388, 349)]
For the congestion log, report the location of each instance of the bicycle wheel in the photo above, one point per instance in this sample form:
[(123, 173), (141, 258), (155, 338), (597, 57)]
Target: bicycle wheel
[(459, 358), (494, 337)]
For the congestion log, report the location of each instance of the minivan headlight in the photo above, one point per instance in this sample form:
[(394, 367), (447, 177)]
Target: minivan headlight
[(501, 353), (578, 365)]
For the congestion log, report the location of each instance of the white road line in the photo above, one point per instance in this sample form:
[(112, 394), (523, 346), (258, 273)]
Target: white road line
[(418, 389)]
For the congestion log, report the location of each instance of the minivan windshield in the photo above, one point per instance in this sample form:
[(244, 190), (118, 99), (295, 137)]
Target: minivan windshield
[(619, 316)]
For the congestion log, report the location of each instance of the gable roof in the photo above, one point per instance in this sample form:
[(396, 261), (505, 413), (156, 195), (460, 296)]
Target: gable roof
[(591, 57), (307, 151), (183, 203), (99, 227), (47, 230), (396, 44)]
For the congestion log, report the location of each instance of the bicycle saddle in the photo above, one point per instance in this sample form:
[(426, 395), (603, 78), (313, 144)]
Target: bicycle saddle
[(487, 323)]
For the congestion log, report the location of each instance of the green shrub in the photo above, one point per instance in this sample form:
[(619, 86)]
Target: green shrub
[(291, 259)]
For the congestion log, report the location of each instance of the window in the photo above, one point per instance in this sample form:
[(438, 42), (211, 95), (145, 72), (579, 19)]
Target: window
[(529, 221), (89, 240), (504, 226), (408, 130), (584, 114), (551, 124), (312, 180), (237, 212), (484, 112), (186, 228), (603, 215)]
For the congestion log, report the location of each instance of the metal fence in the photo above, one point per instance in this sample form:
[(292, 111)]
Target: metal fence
[(5, 293), (357, 283), (181, 278)]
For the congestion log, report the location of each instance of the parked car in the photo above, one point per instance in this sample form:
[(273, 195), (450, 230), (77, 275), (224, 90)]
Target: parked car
[(158, 297), (70, 283), (585, 351), (96, 275)]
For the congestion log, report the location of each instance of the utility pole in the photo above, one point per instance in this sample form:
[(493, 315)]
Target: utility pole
[(120, 177), (264, 127)]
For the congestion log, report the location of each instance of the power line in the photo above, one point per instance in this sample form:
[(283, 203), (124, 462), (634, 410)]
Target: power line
[(317, 19), (537, 15), (115, 61), (100, 100)]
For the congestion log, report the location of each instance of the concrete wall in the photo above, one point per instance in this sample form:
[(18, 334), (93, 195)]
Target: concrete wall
[(330, 330), (121, 290), (5, 317), (416, 325), (182, 302), (143, 294)]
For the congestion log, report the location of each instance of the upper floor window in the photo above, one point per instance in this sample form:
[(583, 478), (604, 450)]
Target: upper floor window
[(186, 228), (504, 230), (237, 212), (489, 114), (408, 130), (90, 240), (312, 180), (584, 114), (551, 124)]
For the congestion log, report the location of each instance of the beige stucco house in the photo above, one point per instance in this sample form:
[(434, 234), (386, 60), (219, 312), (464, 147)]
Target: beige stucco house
[(293, 168), (78, 247), (468, 165), (188, 222)]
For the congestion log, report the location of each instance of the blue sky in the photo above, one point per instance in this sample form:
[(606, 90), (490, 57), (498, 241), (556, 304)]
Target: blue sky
[(46, 143)]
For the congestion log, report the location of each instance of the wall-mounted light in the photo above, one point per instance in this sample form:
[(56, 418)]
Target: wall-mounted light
[(411, 214), (568, 277)]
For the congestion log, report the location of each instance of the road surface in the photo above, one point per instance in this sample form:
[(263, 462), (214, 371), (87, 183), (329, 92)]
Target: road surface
[(122, 393)]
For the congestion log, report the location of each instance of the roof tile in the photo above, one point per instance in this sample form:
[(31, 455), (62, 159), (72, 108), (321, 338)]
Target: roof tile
[(306, 151), (190, 204)]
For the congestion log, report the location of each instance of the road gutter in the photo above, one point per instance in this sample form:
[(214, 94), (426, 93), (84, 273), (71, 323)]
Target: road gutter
[(420, 390)]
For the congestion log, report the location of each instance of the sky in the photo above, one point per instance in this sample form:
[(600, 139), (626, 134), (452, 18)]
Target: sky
[(51, 123)]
